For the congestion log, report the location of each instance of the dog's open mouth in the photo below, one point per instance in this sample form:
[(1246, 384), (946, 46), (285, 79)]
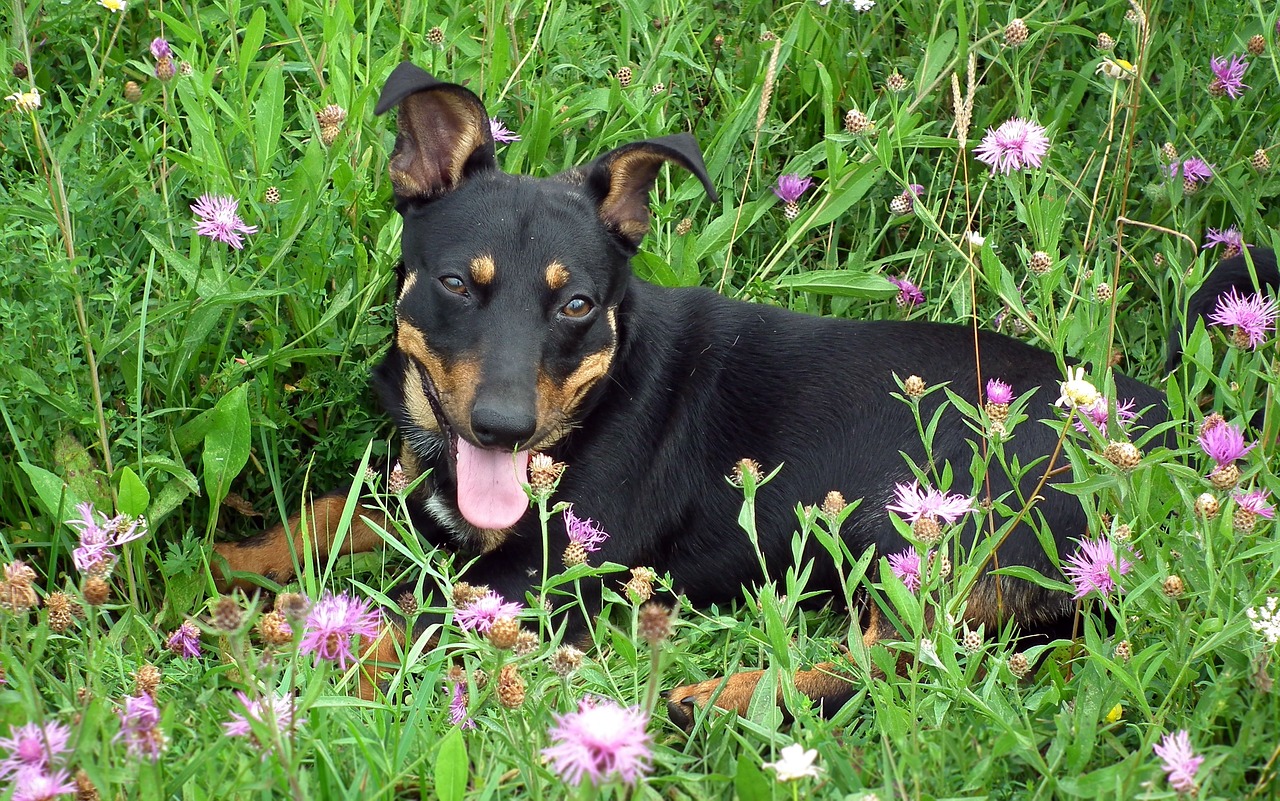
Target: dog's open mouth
[(491, 485)]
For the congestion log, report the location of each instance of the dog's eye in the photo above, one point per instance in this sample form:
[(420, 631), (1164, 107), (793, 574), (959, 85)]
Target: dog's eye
[(577, 307), (455, 285)]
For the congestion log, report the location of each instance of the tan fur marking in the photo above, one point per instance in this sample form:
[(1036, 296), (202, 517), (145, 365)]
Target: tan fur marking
[(456, 382), (272, 554), (483, 269), (417, 166), (379, 660), (734, 693), (409, 281), (557, 275), (627, 204)]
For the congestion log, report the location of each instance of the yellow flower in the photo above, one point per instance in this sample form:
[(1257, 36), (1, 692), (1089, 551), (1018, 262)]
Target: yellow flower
[(25, 101), (1077, 392), (1115, 714), (1117, 69), (115, 6)]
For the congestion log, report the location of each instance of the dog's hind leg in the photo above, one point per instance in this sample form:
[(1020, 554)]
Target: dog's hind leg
[(378, 659), (276, 552)]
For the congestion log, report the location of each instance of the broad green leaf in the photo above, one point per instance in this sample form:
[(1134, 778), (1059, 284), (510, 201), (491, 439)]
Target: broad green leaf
[(133, 498), (841, 282), (226, 445), (451, 767)]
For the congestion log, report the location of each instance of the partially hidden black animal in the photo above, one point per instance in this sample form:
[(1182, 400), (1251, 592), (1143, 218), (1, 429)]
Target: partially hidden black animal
[(520, 328)]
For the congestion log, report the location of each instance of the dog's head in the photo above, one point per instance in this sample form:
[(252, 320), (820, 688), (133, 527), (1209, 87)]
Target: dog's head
[(508, 292)]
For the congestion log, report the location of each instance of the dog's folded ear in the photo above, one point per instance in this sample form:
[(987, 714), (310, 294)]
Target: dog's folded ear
[(620, 181), (443, 134)]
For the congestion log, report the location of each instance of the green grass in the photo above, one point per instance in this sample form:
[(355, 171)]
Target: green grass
[(151, 371)]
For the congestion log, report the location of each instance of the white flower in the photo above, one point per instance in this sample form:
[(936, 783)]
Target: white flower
[(976, 240), (795, 763), (25, 101), (114, 6), (1077, 392), (863, 5), (1118, 70), (1266, 620)]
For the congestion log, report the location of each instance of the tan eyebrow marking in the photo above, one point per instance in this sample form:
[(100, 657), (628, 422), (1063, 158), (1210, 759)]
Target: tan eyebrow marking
[(557, 275), (482, 270)]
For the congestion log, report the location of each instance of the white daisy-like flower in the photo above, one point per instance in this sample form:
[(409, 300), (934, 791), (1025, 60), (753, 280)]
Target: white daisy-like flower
[(795, 763), (1117, 70), (25, 101), (1077, 391)]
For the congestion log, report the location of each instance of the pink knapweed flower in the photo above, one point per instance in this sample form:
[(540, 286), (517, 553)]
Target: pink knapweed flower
[(34, 784), (599, 741), (1099, 413), (1253, 314), (584, 532), (331, 624), (140, 727), (908, 293), (1224, 443), (1230, 238), (502, 133), (217, 219), (1193, 169), (1228, 76), (913, 503), (184, 641), (275, 711), (100, 536), (458, 715), (1255, 501), (34, 745), (479, 614), (1016, 145), (1092, 566), (906, 566), (160, 49), (790, 187), (1179, 760), (999, 392)]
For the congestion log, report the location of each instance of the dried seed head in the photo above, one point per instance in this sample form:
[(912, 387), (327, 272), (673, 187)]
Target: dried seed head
[(85, 791), (1207, 505), (566, 660), (146, 680), (132, 92), (1169, 152), (624, 77), (1158, 260), (996, 412), (658, 88), (833, 504), (972, 641), (914, 386), (895, 83), (1124, 455), (63, 610), (95, 590), (526, 643), (464, 593), (294, 605), (185, 69), (544, 474), (1173, 586), (639, 588), (510, 687), (1040, 262), (1105, 43), (1244, 520), (927, 529), (1124, 651), (575, 553), (902, 204), (1190, 186), (1019, 666), (227, 614), (20, 70), (329, 134), (274, 628), (503, 633), (435, 36), (1260, 161), (272, 195), (1225, 476), (332, 114), (654, 623), (165, 69), (768, 36), (747, 467), (684, 226), (718, 42), (1122, 532), (1102, 292), (857, 123), (1016, 33), (1257, 44)]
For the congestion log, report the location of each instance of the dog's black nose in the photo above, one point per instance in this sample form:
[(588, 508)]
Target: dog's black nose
[(501, 428)]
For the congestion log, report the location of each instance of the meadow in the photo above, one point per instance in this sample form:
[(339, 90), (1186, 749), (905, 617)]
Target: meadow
[(175, 370)]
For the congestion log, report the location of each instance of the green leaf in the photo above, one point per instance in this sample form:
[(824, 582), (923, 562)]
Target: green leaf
[(749, 782), (133, 498), (55, 496), (251, 43), (226, 445), (841, 282), (268, 118), (451, 767), (843, 198)]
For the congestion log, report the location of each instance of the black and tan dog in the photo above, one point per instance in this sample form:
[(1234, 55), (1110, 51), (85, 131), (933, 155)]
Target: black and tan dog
[(520, 328)]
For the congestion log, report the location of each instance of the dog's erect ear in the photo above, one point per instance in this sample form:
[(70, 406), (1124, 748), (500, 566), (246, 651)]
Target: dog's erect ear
[(621, 180), (443, 137)]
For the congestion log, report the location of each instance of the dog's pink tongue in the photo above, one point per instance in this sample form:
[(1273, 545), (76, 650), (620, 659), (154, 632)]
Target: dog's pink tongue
[(489, 491)]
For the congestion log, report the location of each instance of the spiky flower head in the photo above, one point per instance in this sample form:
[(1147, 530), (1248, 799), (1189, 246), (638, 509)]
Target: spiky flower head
[(1255, 501), (1173, 586), (1179, 761), (1254, 315), (160, 48), (913, 503), (1019, 665), (333, 622), (1230, 238), (1094, 568), (39, 746), (544, 473), (271, 195), (565, 660), (140, 727), (857, 123), (598, 742), (1192, 170), (624, 77), (585, 533), (999, 392), (914, 386), (833, 504), (63, 610), (100, 536), (273, 712), (653, 623), (908, 293), (896, 82), (1016, 145), (511, 687), (501, 133), (165, 69), (480, 614), (1257, 44), (1015, 33), (1207, 505), (33, 784), (217, 219), (1124, 455), (906, 566), (435, 36), (1228, 76), (458, 714), (503, 632), (640, 586), (791, 186), (274, 628), (146, 679), (1224, 443)]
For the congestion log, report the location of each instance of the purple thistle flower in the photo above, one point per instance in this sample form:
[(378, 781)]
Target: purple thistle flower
[(1229, 75), (458, 708), (160, 49), (502, 133), (1099, 414), (790, 187), (1192, 169), (1253, 314), (34, 784), (276, 711), (1230, 238), (217, 219), (1256, 502), (998, 392), (600, 740), (184, 641), (100, 535), (140, 727), (331, 624), (913, 503), (908, 293), (1015, 145), (1090, 568), (1224, 444), (584, 532), (906, 566), (1179, 760), (479, 614), (34, 745)]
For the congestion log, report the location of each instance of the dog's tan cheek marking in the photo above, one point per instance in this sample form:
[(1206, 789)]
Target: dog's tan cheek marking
[(483, 270), (557, 275), (456, 382), (407, 286)]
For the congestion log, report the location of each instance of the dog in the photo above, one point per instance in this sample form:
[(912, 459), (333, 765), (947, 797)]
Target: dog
[(520, 328)]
